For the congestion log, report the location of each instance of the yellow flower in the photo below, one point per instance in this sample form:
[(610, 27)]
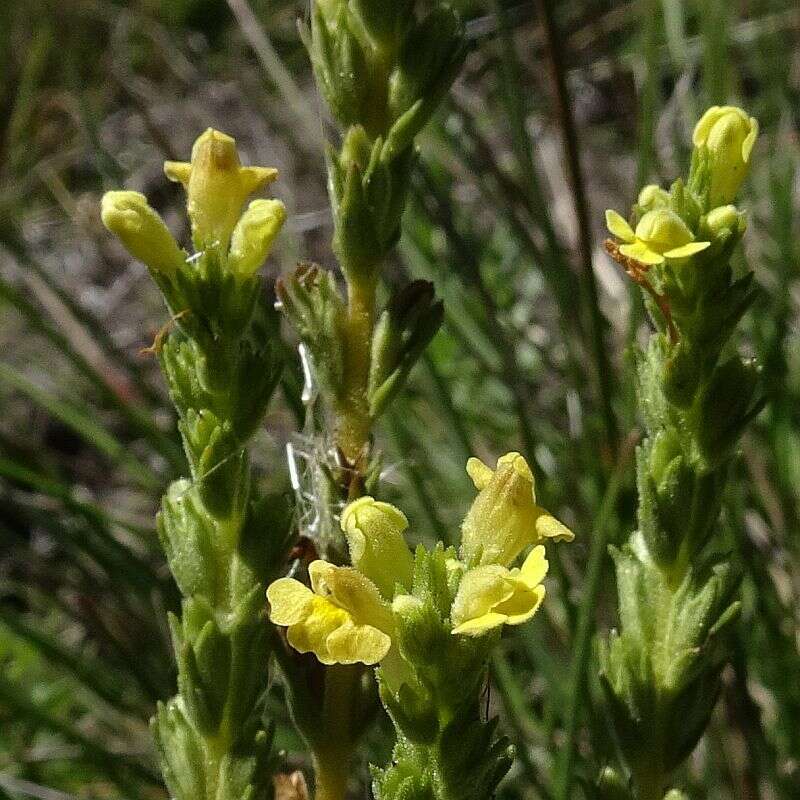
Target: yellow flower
[(378, 550), (254, 234), (727, 134), (141, 230), (217, 186), (344, 619), (504, 518), (660, 234), (492, 595)]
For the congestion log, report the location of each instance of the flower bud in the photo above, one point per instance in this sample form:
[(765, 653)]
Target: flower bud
[(217, 186), (374, 532), (254, 234), (141, 230), (727, 135), (725, 219), (504, 517), (652, 197)]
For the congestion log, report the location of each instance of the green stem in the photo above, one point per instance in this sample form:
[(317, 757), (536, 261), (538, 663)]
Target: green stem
[(333, 755), (354, 423)]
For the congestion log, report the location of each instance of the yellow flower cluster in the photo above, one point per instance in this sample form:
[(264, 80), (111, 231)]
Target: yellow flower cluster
[(347, 614), (217, 187), (724, 137)]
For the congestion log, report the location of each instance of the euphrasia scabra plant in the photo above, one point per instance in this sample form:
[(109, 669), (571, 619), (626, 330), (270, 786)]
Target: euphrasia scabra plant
[(429, 621), (222, 540), (677, 588)]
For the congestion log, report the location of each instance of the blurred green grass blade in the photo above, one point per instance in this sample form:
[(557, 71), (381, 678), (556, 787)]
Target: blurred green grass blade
[(91, 673), (675, 30), (25, 103), (469, 267), (85, 426), (140, 421), (511, 84), (479, 163), (445, 404), (409, 455), (115, 557), (47, 485), (124, 772), (520, 719), (715, 23)]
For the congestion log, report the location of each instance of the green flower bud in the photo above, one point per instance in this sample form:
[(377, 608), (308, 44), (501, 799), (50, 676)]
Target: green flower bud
[(727, 135), (254, 234), (141, 230), (378, 550), (652, 197), (725, 219)]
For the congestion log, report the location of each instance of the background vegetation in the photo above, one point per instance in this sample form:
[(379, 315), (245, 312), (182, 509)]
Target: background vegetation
[(563, 110)]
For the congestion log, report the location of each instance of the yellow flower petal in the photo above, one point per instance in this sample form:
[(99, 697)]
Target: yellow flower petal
[(342, 621), (351, 643), (290, 601), (491, 595), (750, 140), (480, 473), (705, 124), (521, 606), (217, 187), (504, 518), (480, 591), (480, 625), (548, 527), (534, 569), (141, 230), (619, 226), (639, 251), (726, 135), (311, 634), (254, 235), (687, 250)]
